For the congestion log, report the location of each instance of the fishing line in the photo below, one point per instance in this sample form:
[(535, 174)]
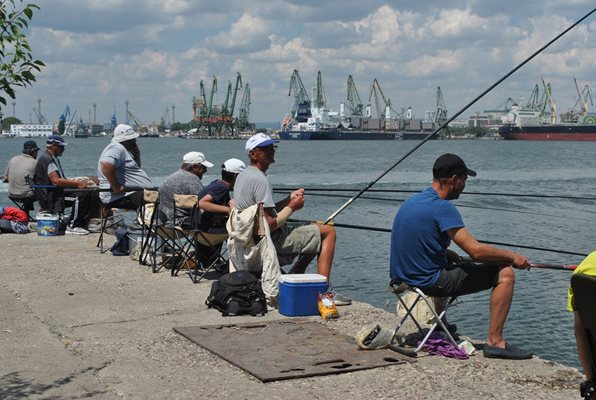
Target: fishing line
[(481, 95), (538, 196), (377, 229), (459, 205)]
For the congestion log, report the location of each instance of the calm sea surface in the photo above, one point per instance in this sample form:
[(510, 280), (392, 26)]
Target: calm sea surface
[(538, 319)]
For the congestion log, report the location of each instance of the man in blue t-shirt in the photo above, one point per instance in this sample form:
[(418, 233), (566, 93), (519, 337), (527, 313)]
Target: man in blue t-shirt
[(422, 231)]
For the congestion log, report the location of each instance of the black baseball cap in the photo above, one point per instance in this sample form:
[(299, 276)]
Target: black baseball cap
[(448, 165), (30, 145), (57, 140)]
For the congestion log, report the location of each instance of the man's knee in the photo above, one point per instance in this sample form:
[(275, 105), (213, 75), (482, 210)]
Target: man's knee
[(327, 232), (507, 276)]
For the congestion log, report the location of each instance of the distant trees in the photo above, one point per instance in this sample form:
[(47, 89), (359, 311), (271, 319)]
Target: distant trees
[(7, 122), (17, 66)]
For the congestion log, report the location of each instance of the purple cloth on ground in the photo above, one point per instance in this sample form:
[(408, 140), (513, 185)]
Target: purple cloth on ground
[(436, 345)]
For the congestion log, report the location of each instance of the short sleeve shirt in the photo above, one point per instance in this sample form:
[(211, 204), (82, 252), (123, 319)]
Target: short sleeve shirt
[(220, 193), (253, 187), (128, 173), (419, 238), (588, 267)]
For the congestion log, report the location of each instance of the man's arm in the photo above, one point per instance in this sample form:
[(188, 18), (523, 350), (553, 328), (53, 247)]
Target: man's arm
[(5, 176), (109, 171), (206, 203), (277, 219), (56, 180), (285, 202), (482, 252)]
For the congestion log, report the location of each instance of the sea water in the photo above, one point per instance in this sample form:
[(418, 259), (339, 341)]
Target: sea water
[(538, 320)]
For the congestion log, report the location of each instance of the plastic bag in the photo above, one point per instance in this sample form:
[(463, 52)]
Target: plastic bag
[(327, 307)]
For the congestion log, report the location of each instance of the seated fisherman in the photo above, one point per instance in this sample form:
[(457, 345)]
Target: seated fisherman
[(588, 267), (119, 169), (17, 170), (214, 201), (48, 171), (422, 231), (186, 180), (309, 240)]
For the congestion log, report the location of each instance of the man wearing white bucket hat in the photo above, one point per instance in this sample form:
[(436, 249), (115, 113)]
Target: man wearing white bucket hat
[(186, 180), (119, 168)]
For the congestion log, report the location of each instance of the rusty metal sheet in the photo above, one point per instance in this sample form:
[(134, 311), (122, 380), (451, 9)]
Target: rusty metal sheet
[(287, 349)]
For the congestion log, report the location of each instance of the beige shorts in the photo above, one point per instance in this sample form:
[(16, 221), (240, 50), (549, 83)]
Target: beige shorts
[(297, 238)]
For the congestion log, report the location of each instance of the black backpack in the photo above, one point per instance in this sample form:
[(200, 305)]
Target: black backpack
[(237, 293)]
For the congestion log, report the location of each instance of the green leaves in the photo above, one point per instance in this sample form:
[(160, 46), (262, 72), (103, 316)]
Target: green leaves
[(17, 67)]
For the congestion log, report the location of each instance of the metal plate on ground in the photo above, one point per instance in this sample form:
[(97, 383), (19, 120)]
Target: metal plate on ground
[(288, 349)]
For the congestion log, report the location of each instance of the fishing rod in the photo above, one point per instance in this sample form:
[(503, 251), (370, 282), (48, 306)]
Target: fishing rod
[(430, 135), (538, 196), (562, 267), (377, 229)]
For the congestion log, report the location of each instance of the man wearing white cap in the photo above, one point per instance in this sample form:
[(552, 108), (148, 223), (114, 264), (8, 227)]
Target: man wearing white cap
[(214, 201), (187, 180), (119, 168), (252, 187)]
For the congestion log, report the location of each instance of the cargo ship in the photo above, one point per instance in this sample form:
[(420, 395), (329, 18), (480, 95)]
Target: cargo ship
[(527, 125), (567, 132)]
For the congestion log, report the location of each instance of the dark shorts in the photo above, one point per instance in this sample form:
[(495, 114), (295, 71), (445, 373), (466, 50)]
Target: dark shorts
[(464, 278)]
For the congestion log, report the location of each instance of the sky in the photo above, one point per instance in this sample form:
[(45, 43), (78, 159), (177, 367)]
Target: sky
[(155, 53)]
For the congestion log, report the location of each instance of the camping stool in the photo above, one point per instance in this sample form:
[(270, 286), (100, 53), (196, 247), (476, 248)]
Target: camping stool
[(400, 289), (25, 204), (584, 291)]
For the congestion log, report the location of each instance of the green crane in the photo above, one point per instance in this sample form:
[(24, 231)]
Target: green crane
[(244, 111), (320, 99), (354, 103)]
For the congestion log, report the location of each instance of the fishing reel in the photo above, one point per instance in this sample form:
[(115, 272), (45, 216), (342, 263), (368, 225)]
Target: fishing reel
[(588, 390)]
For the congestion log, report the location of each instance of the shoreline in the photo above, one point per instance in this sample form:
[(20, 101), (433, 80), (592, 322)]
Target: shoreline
[(78, 323)]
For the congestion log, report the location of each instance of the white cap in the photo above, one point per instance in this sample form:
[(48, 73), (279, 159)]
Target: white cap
[(124, 132), (234, 166), (194, 157), (258, 140)]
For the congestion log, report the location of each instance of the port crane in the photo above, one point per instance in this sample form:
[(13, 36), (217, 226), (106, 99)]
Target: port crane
[(355, 105), (583, 97), (244, 110), (551, 102), (62, 120), (382, 104), (319, 95), (301, 100), (441, 111)]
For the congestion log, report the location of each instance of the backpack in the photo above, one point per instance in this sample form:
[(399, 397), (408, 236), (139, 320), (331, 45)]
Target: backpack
[(120, 248), (238, 293)]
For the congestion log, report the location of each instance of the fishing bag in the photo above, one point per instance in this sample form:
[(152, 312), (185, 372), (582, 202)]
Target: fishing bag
[(237, 293)]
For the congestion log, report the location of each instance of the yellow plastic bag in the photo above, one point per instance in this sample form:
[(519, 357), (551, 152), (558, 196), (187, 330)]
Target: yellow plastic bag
[(327, 307)]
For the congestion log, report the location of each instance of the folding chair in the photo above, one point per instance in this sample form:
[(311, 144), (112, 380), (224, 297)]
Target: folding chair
[(584, 291), (105, 212), (26, 204), (400, 289), (183, 235), (148, 220), (211, 241)]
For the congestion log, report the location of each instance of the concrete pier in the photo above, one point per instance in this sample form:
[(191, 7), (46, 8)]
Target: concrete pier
[(76, 323)]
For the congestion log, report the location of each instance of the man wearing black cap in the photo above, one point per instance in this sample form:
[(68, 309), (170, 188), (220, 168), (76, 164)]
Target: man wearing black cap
[(422, 231), (49, 172), (18, 168)]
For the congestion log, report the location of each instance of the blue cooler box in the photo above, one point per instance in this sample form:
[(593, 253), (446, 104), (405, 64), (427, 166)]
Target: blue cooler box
[(47, 224), (298, 294)]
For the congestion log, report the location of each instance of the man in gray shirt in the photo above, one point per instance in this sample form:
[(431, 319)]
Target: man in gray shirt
[(187, 180), (310, 240), (119, 168), (18, 168)]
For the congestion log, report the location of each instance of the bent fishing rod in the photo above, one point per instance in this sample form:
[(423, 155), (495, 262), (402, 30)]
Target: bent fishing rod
[(457, 114)]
